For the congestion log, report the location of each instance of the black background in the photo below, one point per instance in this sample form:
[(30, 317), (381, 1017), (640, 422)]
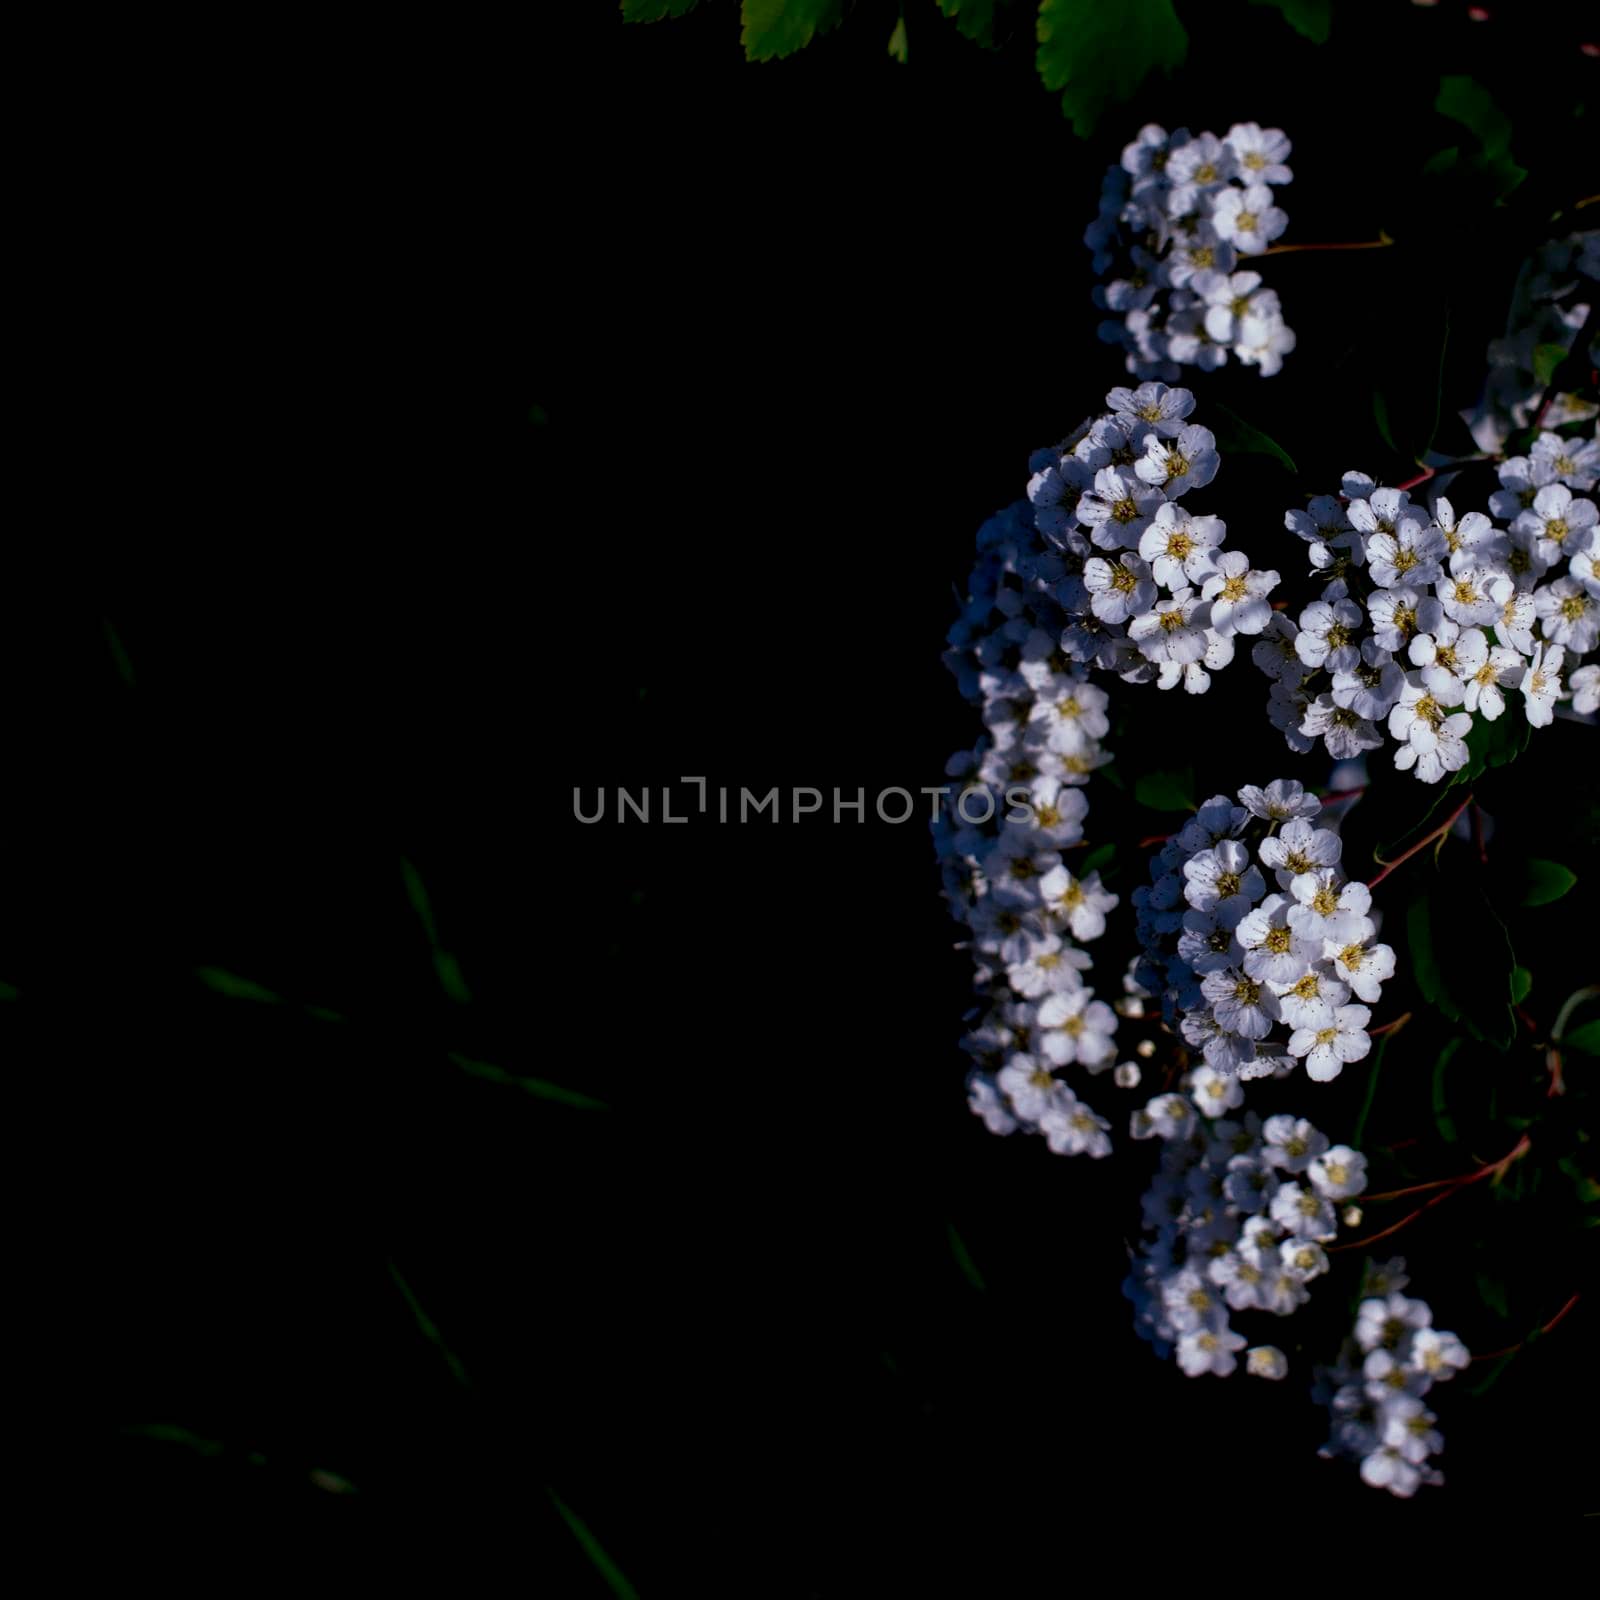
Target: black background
[(792, 331)]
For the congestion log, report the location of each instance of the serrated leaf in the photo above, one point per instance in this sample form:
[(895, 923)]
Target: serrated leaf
[(974, 19), (897, 43), (776, 28), (655, 10), (1098, 55), (1547, 881), (1585, 1039), (1233, 433), (1521, 984), (1166, 791), (1311, 19)]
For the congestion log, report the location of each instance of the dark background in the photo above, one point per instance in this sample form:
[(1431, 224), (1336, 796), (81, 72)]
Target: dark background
[(462, 420)]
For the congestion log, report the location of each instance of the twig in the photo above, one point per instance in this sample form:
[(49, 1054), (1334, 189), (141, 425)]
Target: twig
[(1438, 833)]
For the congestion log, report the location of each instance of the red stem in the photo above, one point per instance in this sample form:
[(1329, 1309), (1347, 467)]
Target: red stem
[(1421, 844), (1451, 1186)]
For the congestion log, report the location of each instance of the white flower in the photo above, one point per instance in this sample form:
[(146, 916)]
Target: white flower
[(1180, 548), (1215, 1093), (1118, 589), (1052, 965), (1339, 1173), (1423, 707), (1177, 465), (1541, 684), (1304, 1259), (1223, 881), (1514, 626), (1556, 522), (1247, 219), (1261, 152), (1118, 508), (1328, 909), (1366, 968), (1328, 1050), (1408, 1430), (1273, 951), (1437, 1355), (1311, 1000), (986, 1103), (1077, 1027), (1291, 1142), (1398, 615), (1070, 1128), (1473, 593), (1209, 1350), (1028, 1084), (1154, 405), (1071, 713), (1569, 615), (1330, 635), (1240, 1004), (1283, 800), (1238, 594), (1303, 1212), (1080, 903), (1199, 169), (1266, 1361), (1371, 688), (1263, 341), (1410, 552), (1388, 1469), (1585, 687), (1345, 733), (1387, 1319), (1175, 630), (1576, 462)]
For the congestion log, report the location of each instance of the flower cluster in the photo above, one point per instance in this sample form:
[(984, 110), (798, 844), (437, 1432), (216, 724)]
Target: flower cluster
[(1261, 951), (1549, 310), (1428, 618), (1002, 842), (1376, 1391), (1237, 1218), (1176, 219), (1145, 589)]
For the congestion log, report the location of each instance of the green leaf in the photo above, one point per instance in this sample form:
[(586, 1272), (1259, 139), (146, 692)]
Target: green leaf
[(655, 10), (1461, 957), (969, 1267), (897, 43), (445, 965), (1521, 984), (1546, 358), (1311, 19), (1166, 791), (1099, 55), (539, 1088), (1493, 1294), (596, 1552), (1547, 881), (1233, 433), (1441, 1115), (1585, 1039), (974, 19), (1372, 1090), (774, 28), (1466, 101), (1440, 161), (1096, 858), (231, 985)]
